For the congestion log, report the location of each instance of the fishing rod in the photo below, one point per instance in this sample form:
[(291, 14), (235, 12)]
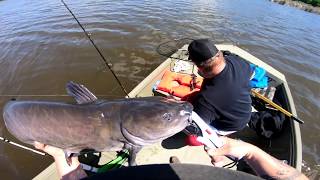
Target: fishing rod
[(22, 146), (108, 64), (279, 108)]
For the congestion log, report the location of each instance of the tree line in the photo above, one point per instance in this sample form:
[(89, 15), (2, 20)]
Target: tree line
[(312, 2)]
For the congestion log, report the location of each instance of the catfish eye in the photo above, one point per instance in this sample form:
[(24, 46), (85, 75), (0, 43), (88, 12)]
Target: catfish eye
[(167, 116)]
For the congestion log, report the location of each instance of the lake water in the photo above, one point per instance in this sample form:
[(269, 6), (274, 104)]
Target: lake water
[(42, 47)]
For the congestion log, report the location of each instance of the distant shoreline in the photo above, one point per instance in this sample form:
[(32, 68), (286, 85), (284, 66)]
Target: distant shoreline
[(299, 4)]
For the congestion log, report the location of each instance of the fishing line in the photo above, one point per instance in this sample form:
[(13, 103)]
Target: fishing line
[(108, 64), (22, 146)]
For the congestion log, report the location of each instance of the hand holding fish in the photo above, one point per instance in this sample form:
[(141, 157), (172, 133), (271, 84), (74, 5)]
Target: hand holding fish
[(59, 157), (53, 151), (261, 162), (231, 147)]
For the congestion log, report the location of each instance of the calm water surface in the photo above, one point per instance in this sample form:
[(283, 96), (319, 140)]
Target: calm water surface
[(42, 48)]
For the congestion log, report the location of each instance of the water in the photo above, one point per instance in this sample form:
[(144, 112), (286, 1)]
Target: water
[(42, 47)]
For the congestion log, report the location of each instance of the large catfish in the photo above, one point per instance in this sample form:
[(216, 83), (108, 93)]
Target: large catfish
[(102, 125)]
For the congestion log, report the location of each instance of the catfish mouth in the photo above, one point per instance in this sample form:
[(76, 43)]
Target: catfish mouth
[(142, 142)]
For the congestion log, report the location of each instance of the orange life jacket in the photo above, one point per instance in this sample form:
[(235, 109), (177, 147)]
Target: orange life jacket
[(178, 84)]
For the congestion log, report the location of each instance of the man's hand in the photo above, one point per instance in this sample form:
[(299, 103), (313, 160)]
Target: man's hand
[(231, 147), (53, 151), (59, 157)]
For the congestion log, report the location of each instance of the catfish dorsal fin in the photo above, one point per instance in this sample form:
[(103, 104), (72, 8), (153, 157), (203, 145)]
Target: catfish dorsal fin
[(80, 93)]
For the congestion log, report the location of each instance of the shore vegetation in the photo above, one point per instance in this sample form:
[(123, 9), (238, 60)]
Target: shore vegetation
[(312, 2)]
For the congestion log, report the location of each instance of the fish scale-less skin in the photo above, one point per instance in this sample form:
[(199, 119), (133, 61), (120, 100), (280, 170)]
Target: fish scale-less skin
[(100, 125), (58, 124)]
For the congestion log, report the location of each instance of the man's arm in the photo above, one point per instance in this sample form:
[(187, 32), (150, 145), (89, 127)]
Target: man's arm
[(262, 163), (267, 166)]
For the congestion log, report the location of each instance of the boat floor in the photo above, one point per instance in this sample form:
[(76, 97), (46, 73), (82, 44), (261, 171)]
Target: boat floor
[(175, 146), (161, 152)]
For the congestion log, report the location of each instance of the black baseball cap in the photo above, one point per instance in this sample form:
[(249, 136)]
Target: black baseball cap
[(201, 50)]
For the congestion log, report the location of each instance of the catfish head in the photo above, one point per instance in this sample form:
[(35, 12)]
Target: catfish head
[(153, 119)]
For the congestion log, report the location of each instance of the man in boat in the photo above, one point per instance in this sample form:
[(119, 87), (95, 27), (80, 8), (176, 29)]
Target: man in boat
[(262, 163), (224, 100)]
